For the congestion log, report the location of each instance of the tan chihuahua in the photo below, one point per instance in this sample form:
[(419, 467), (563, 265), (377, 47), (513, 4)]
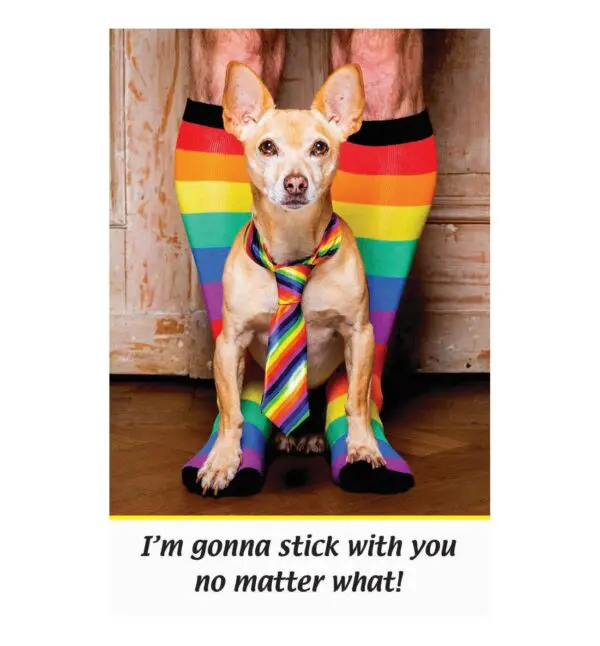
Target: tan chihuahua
[(292, 157)]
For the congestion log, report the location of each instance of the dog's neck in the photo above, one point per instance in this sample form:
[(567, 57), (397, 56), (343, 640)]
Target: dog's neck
[(291, 235)]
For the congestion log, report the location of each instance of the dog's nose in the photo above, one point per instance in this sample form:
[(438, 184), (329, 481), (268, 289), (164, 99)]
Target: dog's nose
[(295, 184)]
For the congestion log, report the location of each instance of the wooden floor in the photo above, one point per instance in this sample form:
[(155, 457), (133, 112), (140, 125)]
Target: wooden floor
[(439, 424)]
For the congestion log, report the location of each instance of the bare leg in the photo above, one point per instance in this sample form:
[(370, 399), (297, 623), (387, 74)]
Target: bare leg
[(391, 61), (212, 49)]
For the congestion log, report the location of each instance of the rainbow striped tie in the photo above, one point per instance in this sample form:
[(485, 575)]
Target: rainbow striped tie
[(285, 397)]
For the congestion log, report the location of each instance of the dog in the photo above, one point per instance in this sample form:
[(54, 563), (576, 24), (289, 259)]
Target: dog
[(291, 158)]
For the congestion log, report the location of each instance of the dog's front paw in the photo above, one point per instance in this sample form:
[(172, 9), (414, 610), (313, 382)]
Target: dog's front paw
[(365, 449), (219, 469), (314, 443)]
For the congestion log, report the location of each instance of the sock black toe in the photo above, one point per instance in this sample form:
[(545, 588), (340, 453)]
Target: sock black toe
[(388, 481), (246, 482), (188, 477), (360, 477)]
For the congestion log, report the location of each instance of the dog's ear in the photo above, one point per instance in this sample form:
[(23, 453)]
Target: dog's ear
[(341, 100), (245, 100)]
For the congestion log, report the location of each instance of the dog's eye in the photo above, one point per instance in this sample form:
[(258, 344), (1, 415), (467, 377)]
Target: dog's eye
[(267, 147), (319, 148)]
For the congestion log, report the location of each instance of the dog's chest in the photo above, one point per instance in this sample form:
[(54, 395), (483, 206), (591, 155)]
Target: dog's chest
[(324, 314), (323, 309)]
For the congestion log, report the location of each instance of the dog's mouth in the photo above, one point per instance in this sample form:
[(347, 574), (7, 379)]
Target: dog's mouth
[(295, 203)]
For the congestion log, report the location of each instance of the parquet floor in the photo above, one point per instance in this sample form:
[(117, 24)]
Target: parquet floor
[(440, 424)]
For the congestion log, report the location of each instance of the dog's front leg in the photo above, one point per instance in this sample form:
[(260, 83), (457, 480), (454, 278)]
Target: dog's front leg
[(224, 458), (359, 353)]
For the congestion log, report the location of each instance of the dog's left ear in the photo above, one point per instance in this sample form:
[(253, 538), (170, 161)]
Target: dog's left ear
[(245, 100), (341, 100)]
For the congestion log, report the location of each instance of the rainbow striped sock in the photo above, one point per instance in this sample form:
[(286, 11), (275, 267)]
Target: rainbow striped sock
[(383, 189), (255, 435), (214, 197)]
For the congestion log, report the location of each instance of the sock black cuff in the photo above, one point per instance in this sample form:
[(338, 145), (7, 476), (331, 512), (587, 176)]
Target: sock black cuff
[(386, 132), (390, 132), (203, 114)]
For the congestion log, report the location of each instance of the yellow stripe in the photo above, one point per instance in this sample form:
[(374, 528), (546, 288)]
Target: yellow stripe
[(212, 197), (335, 410), (253, 391), (282, 347), (383, 222), (366, 220), (294, 273), (301, 517)]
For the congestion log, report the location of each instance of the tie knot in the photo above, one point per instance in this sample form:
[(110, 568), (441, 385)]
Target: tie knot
[(284, 298), (291, 282)]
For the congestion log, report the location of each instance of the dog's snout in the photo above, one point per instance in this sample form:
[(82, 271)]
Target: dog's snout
[(295, 184)]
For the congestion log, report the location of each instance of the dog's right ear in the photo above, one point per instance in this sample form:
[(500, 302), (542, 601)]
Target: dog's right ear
[(245, 100)]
